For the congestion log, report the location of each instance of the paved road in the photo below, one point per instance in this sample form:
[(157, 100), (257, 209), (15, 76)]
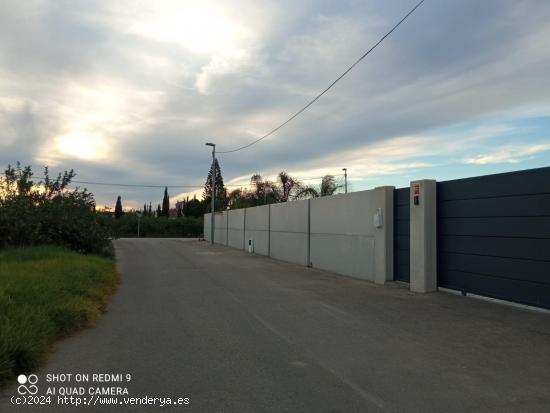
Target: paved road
[(242, 333)]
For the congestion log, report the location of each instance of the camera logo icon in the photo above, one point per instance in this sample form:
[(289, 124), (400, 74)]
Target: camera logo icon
[(27, 384)]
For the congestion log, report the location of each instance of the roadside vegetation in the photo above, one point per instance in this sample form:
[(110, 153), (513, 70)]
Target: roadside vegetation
[(47, 292), (56, 266), (46, 211), (127, 226), (285, 188)]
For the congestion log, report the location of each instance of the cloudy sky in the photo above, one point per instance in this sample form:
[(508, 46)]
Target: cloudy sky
[(129, 91)]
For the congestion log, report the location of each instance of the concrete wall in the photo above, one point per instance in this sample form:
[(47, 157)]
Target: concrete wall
[(289, 232), (336, 233), (343, 236), (235, 228), (257, 229), (220, 228)]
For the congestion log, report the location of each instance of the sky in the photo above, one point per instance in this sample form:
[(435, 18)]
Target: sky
[(130, 91)]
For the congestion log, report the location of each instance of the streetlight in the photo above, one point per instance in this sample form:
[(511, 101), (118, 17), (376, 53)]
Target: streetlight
[(213, 190), (345, 179)]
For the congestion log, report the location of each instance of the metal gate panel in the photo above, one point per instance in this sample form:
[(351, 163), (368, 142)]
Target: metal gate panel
[(401, 236), (494, 236)]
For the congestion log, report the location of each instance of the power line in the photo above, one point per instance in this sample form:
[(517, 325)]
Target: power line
[(165, 186), (316, 98)]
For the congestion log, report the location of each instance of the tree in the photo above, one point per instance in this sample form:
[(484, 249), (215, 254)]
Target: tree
[(159, 211), (118, 208), (166, 203), (150, 212), (328, 187), (144, 210), (194, 208), (288, 186), (242, 198), (266, 192), (221, 193), (179, 208)]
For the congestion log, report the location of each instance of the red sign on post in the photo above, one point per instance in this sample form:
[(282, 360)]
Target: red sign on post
[(416, 194)]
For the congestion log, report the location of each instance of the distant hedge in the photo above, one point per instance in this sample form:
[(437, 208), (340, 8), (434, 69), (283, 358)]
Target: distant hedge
[(127, 226)]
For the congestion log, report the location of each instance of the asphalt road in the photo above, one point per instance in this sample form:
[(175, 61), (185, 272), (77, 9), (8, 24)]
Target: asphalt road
[(235, 332)]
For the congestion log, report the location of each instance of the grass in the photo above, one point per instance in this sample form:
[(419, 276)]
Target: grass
[(47, 293)]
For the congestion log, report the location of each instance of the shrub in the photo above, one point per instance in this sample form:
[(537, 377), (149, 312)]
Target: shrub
[(47, 212)]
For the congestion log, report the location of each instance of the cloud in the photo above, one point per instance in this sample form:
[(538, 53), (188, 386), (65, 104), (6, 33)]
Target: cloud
[(510, 154)]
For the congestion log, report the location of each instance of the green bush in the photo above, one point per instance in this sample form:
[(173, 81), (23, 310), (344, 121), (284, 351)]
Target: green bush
[(47, 293), (47, 212)]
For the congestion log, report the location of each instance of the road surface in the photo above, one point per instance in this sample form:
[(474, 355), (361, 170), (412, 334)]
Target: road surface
[(234, 332)]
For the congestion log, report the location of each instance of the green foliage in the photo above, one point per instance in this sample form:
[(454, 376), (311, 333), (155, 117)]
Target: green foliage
[(47, 212), (165, 204), (194, 208), (288, 186), (127, 226), (47, 293), (221, 193), (266, 192), (328, 187), (118, 208)]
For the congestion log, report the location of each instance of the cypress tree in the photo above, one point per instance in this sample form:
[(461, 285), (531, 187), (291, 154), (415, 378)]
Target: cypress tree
[(118, 208), (159, 211), (150, 213), (166, 203), (221, 194), (144, 210)]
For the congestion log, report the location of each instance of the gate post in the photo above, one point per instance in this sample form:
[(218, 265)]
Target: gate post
[(383, 234), (423, 236)]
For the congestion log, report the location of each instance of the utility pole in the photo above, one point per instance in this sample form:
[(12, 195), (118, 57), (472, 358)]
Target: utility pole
[(345, 179), (213, 195)]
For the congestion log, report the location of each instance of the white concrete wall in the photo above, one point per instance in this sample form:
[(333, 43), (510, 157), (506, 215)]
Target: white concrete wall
[(220, 228), (235, 228), (289, 232), (257, 229), (335, 233), (343, 236)]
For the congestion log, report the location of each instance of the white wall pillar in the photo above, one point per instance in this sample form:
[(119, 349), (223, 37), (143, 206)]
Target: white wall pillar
[(383, 236), (423, 236)]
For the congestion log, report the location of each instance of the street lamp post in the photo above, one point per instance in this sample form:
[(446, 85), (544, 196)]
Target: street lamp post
[(345, 179), (213, 196)]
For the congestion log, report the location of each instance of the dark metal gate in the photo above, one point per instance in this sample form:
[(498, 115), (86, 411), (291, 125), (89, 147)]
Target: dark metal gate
[(494, 236), (401, 235)]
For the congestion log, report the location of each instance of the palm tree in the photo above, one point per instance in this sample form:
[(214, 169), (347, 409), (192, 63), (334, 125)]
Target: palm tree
[(234, 198), (288, 186), (266, 191), (328, 187)]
